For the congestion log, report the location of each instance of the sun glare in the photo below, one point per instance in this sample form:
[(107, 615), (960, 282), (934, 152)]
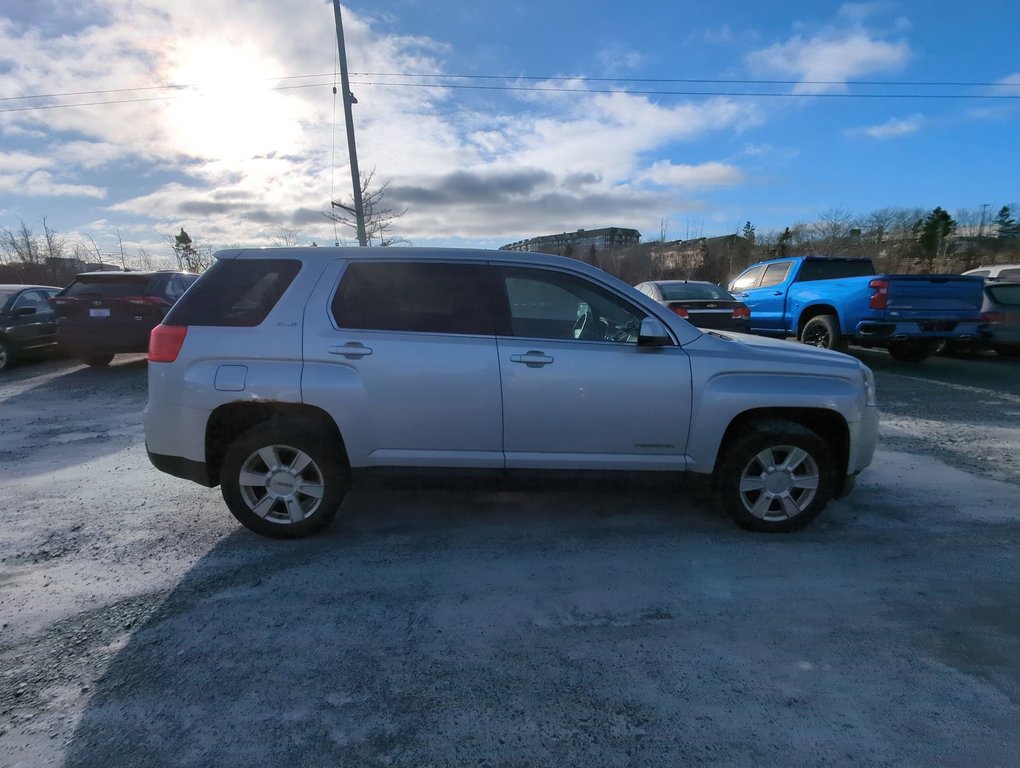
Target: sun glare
[(227, 110)]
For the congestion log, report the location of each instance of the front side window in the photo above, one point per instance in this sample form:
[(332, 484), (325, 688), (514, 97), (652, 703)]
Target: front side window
[(545, 304), (747, 280), (417, 297)]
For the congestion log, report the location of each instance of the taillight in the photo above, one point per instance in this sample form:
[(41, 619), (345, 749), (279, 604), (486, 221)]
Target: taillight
[(165, 342), (741, 313), (880, 298), (157, 301), (993, 317), (679, 311)]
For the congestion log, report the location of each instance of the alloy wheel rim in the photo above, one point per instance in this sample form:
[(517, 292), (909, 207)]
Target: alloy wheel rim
[(281, 484), (779, 483)]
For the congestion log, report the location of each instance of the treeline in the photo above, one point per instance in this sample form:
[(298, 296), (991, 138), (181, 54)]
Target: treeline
[(900, 239), (47, 258)]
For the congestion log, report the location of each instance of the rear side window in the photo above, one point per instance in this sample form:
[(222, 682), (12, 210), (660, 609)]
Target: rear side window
[(831, 269), (775, 274), (420, 297), (1012, 273), (235, 292)]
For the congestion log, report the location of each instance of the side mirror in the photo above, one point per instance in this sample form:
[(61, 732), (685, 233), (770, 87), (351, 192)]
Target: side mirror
[(653, 334), (22, 311)]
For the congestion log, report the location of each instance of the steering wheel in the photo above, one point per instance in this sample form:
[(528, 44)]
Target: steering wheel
[(584, 326)]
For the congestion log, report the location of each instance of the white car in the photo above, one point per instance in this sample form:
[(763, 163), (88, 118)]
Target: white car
[(284, 374), (996, 272)]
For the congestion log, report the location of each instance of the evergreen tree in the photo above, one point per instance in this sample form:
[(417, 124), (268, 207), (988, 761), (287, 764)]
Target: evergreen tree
[(933, 234), (1008, 227)]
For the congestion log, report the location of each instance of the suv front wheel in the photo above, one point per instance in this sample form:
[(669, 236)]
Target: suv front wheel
[(776, 478), (284, 481)]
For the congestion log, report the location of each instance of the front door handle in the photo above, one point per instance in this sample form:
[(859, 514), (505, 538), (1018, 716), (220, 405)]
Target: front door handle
[(352, 350), (533, 359), (777, 293)]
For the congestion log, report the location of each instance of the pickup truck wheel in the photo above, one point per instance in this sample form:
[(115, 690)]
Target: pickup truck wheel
[(284, 481), (913, 350), (823, 331), (776, 478)]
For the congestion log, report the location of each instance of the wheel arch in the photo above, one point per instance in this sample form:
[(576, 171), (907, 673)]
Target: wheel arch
[(231, 420), (814, 311), (827, 424)]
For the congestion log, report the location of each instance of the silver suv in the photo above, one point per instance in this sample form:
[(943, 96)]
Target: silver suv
[(284, 374)]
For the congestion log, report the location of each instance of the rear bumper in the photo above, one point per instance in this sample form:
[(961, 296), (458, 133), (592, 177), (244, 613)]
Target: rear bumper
[(178, 466), (873, 330), (104, 338)]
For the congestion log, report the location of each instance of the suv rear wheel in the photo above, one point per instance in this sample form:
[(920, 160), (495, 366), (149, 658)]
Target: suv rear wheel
[(284, 481), (776, 478)]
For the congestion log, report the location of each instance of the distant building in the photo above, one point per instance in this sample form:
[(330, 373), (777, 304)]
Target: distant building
[(578, 243)]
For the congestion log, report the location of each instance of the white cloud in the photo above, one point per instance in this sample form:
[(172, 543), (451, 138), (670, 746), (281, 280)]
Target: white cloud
[(691, 176), (43, 184), (894, 127), (232, 160), (830, 56)]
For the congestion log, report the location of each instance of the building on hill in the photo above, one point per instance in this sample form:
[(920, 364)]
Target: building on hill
[(580, 244)]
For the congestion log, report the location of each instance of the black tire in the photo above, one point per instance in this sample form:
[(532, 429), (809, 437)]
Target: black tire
[(284, 481), (6, 355), (776, 477), (913, 350), (823, 331), (96, 360)]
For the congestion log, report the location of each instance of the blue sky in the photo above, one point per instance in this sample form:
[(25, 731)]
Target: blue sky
[(588, 116)]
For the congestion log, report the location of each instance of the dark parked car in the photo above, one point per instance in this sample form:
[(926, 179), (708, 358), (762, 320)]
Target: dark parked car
[(704, 304), (26, 321), (102, 313), (1001, 312)]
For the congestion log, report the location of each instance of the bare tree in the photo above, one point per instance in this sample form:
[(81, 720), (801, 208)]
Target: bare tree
[(378, 218), (284, 237), (832, 229)]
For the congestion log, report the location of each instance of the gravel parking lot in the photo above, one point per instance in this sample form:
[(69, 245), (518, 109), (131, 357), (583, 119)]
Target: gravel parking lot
[(472, 626)]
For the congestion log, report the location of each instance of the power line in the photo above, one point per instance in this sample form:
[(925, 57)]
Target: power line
[(546, 89)]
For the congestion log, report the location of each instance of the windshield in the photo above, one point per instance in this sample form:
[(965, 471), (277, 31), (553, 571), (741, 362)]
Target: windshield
[(695, 291)]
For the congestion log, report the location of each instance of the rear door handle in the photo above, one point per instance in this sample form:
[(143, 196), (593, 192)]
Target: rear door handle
[(352, 350), (533, 359)]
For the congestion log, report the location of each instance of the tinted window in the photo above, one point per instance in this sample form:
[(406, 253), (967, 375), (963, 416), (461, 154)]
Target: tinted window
[(693, 291), (422, 297), (830, 269), (109, 286), (775, 274), (1005, 294), (748, 279), (551, 305), (35, 299), (235, 292), (1009, 274)]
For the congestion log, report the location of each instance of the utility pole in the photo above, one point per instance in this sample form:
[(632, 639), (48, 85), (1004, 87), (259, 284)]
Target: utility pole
[(359, 212)]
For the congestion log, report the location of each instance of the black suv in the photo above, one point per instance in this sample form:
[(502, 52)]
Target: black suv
[(102, 313)]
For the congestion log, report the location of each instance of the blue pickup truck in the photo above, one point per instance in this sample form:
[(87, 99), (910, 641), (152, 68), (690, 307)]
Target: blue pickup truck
[(833, 302)]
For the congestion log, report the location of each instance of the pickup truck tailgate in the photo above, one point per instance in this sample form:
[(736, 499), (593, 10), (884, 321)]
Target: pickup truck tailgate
[(955, 295)]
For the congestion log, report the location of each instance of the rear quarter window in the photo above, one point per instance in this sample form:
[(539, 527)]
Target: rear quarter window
[(235, 292)]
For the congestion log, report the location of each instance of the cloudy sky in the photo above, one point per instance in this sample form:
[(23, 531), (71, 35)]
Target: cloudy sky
[(497, 121)]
